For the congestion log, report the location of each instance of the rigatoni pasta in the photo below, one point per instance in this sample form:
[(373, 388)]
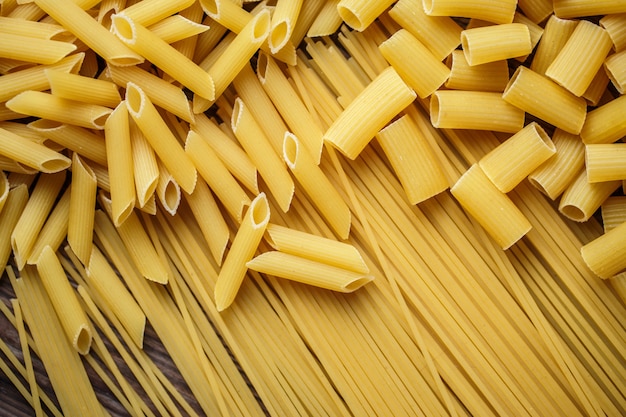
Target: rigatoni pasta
[(606, 123), (492, 76), (495, 43), (615, 25), (582, 198), (555, 35), (605, 162), (606, 255), (501, 12), (616, 69)]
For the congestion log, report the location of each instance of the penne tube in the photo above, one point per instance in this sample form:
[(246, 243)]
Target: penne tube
[(145, 170), (615, 25), (492, 76), (546, 100), (120, 165), (97, 37), (206, 41), (490, 207), (160, 137), (413, 160), (167, 190), (402, 50), (146, 13), (495, 43), (536, 10), (210, 220), (581, 57), (9, 216), (440, 34), (31, 49), (216, 175), (615, 66), (359, 14), (606, 255), (567, 9), (582, 198), (31, 154), (4, 190), (236, 55), (316, 248), (307, 14), (176, 28), (82, 206), (74, 138), (606, 123), (306, 271), (102, 278), (500, 12), (66, 304), (613, 212), (241, 251), (284, 19), (83, 89), (605, 162), (479, 110), (554, 175), (47, 106), (32, 29), (164, 56), (385, 97), (513, 160), (289, 105), (327, 20), (316, 185), (54, 230), (271, 168)]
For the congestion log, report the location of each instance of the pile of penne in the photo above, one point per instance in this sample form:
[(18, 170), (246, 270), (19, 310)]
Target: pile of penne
[(193, 191)]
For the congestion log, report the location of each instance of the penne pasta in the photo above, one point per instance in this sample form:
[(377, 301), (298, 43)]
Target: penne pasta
[(76, 20), (514, 159), (164, 56), (47, 106), (555, 35), (167, 190), (306, 271), (490, 207), (32, 49), (567, 9), (501, 12), (606, 255), (613, 212), (63, 298), (32, 29), (385, 97), (316, 185), (146, 13), (327, 20), (83, 89), (4, 190), (82, 205), (284, 19), (479, 110), (54, 230), (615, 66), (9, 216), (34, 215), (31, 154), (145, 170), (176, 28), (546, 100), (615, 25), (401, 50), (120, 165), (495, 43), (554, 175), (492, 76), (582, 198), (160, 137), (606, 123), (216, 175), (271, 168), (241, 251), (412, 159), (359, 14), (605, 162), (581, 57)]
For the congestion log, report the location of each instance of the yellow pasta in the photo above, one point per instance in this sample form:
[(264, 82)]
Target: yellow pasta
[(31, 153), (147, 13), (512, 161), (606, 255), (413, 160), (316, 185), (616, 69), (613, 212), (309, 272), (216, 175), (536, 10), (271, 168), (164, 56), (554, 175), (546, 100), (615, 25), (9, 216), (108, 285), (495, 43), (490, 207), (80, 23), (160, 137), (374, 107), (29, 49), (84, 89), (492, 76), (606, 123), (582, 198), (32, 29), (242, 250), (595, 92), (480, 110), (555, 35), (284, 19), (501, 12), (579, 8), (176, 28), (34, 215), (82, 204), (605, 162), (65, 302), (327, 21), (145, 170), (359, 14), (167, 190), (402, 50), (581, 57), (54, 231)]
